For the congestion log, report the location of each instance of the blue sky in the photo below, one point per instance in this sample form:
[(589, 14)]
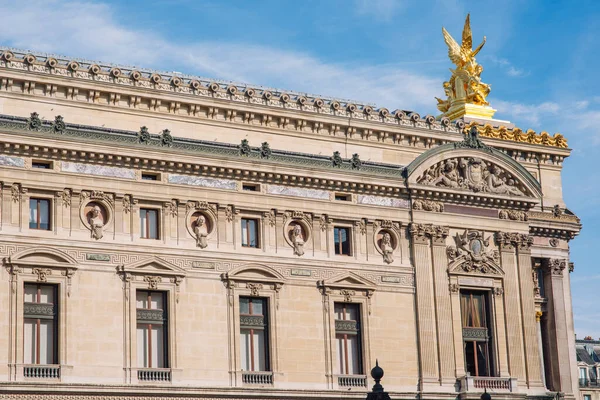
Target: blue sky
[(541, 58)]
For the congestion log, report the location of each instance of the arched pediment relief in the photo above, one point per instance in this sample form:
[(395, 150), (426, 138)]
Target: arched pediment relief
[(468, 167), (152, 266), (42, 257), (254, 273), (473, 253)]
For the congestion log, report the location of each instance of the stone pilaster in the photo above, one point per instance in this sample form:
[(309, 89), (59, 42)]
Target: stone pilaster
[(561, 378), (429, 366), (500, 318), (514, 328), (443, 305), (532, 352)]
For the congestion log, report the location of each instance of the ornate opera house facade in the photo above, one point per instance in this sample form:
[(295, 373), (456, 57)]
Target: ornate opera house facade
[(165, 236)]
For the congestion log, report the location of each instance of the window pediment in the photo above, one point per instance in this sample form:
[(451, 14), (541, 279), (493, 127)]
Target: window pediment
[(254, 273), (152, 266), (348, 280), (473, 254), (42, 257)]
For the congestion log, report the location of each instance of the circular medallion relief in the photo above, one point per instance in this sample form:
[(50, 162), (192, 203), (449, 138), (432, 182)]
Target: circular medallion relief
[(296, 234), (96, 216), (201, 226), (386, 241)]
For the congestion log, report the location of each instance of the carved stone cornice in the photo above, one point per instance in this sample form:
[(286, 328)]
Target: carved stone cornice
[(421, 233), (556, 266), (428, 205), (230, 103)]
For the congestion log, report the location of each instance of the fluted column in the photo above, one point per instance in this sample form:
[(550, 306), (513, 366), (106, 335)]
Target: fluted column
[(443, 305), (427, 337), (514, 329), (530, 336)]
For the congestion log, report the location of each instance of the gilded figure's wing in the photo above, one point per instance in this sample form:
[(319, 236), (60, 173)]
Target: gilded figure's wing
[(474, 53), (454, 51), (467, 37)]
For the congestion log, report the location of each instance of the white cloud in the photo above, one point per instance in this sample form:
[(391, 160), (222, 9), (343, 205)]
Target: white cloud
[(507, 66), (90, 30), (530, 113)]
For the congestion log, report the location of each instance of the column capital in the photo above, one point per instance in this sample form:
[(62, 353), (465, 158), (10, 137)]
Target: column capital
[(421, 233), (508, 241), (556, 266)]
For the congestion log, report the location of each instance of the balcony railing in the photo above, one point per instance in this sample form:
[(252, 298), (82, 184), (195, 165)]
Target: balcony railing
[(154, 375), (352, 381), (42, 371), (257, 377), (584, 382), (482, 383)]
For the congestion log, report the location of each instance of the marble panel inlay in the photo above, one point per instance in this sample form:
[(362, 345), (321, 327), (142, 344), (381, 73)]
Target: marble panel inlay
[(100, 170), (301, 272), (201, 181), (298, 192), (12, 161), (97, 257), (472, 281), (382, 201)]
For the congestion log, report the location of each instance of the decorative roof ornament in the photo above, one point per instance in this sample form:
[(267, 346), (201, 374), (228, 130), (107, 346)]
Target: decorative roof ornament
[(472, 141), (466, 93)]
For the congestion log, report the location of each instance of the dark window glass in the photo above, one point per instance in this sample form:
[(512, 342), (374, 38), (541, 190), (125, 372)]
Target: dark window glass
[(342, 197), (149, 223), (250, 188), (341, 238), (149, 177), (41, 164), (39, 214), (254, 334), (250, 233)]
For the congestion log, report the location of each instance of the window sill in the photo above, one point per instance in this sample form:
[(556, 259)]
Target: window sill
[(352, 381), (42, 371), (257, 378), (154, 375), (490, 383)]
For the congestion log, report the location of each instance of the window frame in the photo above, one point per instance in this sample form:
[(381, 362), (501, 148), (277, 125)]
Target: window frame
[(350, 232), (165, 325), (257, 232), (55, 319), (50, 213), (359, 335), (490, 346), (158, 212), (266, 330), (49, 165)]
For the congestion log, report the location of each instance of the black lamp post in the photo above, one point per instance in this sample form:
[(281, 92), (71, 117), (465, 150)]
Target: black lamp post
[(377, 393), (485, 395)]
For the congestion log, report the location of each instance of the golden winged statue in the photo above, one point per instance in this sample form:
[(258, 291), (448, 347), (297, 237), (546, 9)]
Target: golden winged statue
[(464, 86)]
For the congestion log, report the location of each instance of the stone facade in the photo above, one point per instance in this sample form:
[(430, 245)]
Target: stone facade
[(428, 216)]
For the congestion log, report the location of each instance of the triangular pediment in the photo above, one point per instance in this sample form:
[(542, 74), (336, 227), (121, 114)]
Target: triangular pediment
[(349, 279), (152, 266), (464, 265), (254, 273), (43, 257)]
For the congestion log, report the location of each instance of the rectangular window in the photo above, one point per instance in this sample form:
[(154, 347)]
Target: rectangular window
[(587, 397), (149, 223), (341, 238), (251, 187), (348, 338), (39, 214), (250, 233), (342, 197), (40, 331), (150, 176), (41, 164), (475, 314), (583, 377), (152, 329), (254, 334)]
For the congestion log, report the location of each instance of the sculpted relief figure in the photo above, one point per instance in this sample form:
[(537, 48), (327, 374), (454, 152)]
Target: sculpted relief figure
[(96, 223), (298, 240), (201, 232), (387, 248), (471, 173)]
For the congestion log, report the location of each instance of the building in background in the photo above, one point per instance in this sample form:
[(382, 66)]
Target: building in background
[(165, 236), (588, 365)]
